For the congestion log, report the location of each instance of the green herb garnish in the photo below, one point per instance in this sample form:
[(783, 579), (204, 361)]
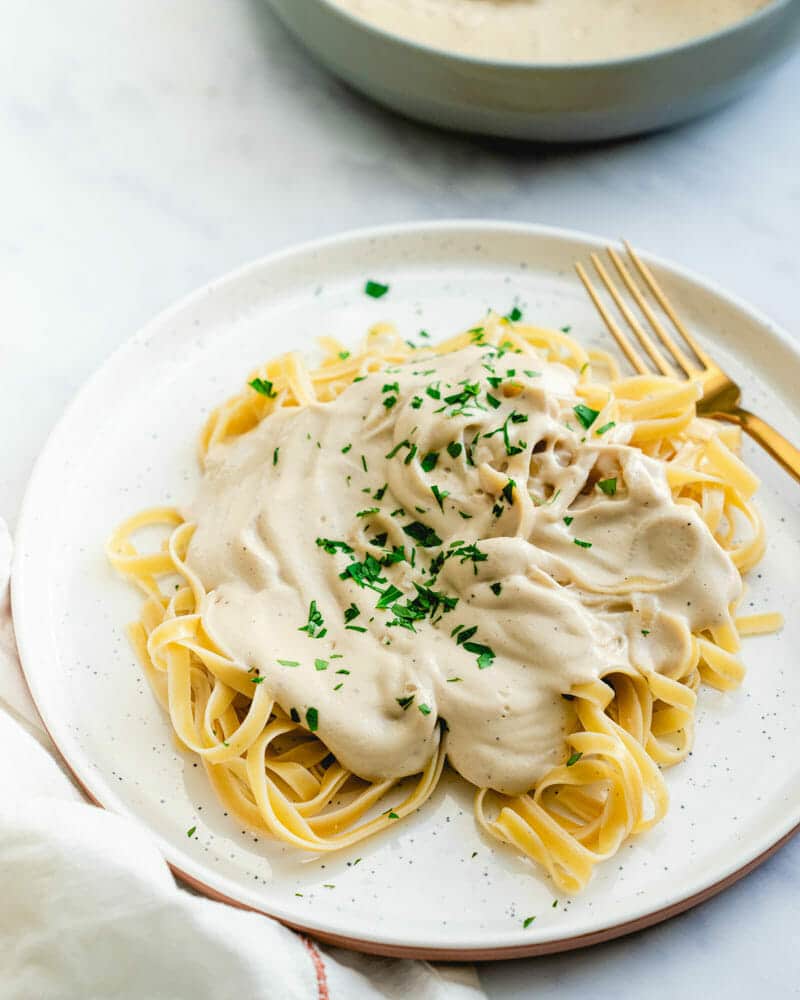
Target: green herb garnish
[(585, 414), (421, 533), (574, 758), (608, 486), (264, 387), (440, 495), (368, 512), (315, 625), (375, 289), (331, 546)]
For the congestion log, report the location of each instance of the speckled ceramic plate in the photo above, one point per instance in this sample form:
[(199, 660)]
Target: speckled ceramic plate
[(434, 886)]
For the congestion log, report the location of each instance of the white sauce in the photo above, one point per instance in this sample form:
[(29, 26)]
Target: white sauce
[(551, 31), (565, 614)]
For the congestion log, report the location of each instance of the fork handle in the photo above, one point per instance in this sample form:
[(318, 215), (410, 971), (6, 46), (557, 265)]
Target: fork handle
[(770, 440)]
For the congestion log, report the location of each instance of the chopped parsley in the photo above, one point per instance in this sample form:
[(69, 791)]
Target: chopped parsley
[(454, 449), (434, 391), (574, 758), (312, 718), (496, 589), (427, 602), (484, 653), (375, 289), (568, 520), (429, 462), (332, 546), (347, 448), (421, 533), (440, 495), (605, 427), (405, 702), (366, 573), (368, 512), (275, 455), (315, 625), (350, 613), (527, 922), (463, 398), (389, 596), (512, 418), (191, 831), (585, 414), (581, 543), (492, 401), (425, 709), (264, 387), (320, 664), (608, 486), (515, 314), (289, 663), (257, 680), (645, 631), (344, 355), (397, 447), (416, 402), (410, 456)]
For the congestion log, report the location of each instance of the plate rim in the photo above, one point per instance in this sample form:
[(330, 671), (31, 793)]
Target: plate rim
[(382, 944)]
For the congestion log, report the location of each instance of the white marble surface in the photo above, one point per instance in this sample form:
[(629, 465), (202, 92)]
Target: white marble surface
[(146, 147)]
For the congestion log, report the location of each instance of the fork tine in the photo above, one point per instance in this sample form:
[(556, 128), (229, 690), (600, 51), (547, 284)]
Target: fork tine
[(653, 352), (663, 301), (621, 338), (652, 319)]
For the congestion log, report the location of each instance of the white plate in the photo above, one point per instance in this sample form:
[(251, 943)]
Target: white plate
[(433, 886)]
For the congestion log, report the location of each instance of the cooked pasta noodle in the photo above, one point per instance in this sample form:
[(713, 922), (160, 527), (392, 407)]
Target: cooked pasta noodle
[(599, 780)]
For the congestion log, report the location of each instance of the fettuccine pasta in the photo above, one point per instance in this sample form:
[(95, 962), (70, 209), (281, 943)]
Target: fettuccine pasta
[(495, 551)]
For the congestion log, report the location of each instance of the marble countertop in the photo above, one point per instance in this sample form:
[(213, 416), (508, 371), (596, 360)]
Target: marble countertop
[(149, 147)]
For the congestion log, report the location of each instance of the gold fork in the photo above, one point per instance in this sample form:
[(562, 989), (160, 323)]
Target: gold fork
[(721, 395)]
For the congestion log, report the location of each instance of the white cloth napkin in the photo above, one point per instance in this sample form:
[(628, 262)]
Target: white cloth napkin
[(89, 909)]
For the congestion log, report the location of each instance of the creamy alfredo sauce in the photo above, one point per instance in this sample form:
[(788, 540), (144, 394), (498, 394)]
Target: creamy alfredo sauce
[(553, 30), (462, 486)]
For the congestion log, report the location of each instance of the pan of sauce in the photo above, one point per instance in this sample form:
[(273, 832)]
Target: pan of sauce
[(548, 70)]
